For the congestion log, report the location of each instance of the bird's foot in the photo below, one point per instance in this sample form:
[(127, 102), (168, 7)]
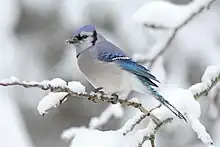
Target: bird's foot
[(114, 98)]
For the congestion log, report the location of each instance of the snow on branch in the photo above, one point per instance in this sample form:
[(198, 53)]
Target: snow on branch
[(50, 101), (183, 99), (161, 47), (150, 132), (74, 89), (96, 138), (70, 133), (201, 132), (114, 110), (135, 120), (210, 78), (189, 106), (130, 124)]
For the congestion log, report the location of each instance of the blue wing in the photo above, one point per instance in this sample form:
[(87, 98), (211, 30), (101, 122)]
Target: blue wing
[(142, 73), (129, 65)]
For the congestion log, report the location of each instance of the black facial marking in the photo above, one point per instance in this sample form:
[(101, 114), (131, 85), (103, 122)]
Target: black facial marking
[(78, 37), (81, 37), (94, 37), (84, 36)]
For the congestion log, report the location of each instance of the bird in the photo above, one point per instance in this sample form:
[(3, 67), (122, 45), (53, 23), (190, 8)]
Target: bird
[(106, 65)]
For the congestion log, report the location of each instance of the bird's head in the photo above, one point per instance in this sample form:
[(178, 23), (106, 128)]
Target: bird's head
[(84, 37)]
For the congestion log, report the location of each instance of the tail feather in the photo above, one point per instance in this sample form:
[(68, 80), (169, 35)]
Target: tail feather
[(148, 83), (166, 103)]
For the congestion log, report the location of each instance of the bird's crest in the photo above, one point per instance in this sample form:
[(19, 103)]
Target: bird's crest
[(85, 28)]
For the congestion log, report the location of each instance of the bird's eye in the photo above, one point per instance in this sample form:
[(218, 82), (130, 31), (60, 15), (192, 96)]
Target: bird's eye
[(84, 36)]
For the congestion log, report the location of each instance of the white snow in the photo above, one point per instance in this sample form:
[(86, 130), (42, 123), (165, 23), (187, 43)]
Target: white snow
[(131, 123), (136, 100), (14, 79), (45, 83), (57, 82), (76, 86), (167, 14), (140, 134), (198, 87), (201, 131), (147, 143), (183, 100), (70, 133), (95, 138), (160, 13), (113, 110), (211, 73), (51, 100)]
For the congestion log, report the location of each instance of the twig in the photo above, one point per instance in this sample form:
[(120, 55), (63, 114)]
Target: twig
[(155, 26), (135, 120), (112, 111), (205, 92), (158, 106), (204, 87), (151, 136), (106, 98), (131, 123), (173, 34)]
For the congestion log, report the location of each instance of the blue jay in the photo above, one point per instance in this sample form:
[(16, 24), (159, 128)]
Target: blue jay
[(106, 65)]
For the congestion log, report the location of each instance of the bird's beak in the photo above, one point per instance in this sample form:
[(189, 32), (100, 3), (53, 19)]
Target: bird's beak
[(72, 40)]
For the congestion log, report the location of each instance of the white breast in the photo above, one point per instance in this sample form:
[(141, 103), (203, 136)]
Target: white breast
[(102, 74)]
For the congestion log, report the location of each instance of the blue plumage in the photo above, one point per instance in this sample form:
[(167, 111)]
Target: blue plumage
[(129, 65), (85, 28), (137, 69), (109, 57)]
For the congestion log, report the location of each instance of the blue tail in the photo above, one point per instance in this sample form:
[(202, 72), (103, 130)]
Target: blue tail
[(143, 74), (161, 99)]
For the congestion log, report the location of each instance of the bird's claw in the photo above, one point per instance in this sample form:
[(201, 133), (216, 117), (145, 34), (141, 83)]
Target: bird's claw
[(114, 98)]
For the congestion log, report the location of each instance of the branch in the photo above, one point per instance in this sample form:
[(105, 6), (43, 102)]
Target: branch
[(210, 78), (60, 89), (173, 34), (135, 120), (59, 85), (152, 134), (131, 124), (155, 26), (113, 110)]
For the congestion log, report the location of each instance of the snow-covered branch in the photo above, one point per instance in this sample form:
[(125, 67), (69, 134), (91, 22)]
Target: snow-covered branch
[(150, 132), (210, 78), (135, 120), (74, 89), (183, 99), (162, 46), (131, 123), (113, 110)]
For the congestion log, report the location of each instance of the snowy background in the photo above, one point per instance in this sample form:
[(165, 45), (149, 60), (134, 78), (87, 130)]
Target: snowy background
[(32, 47)]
